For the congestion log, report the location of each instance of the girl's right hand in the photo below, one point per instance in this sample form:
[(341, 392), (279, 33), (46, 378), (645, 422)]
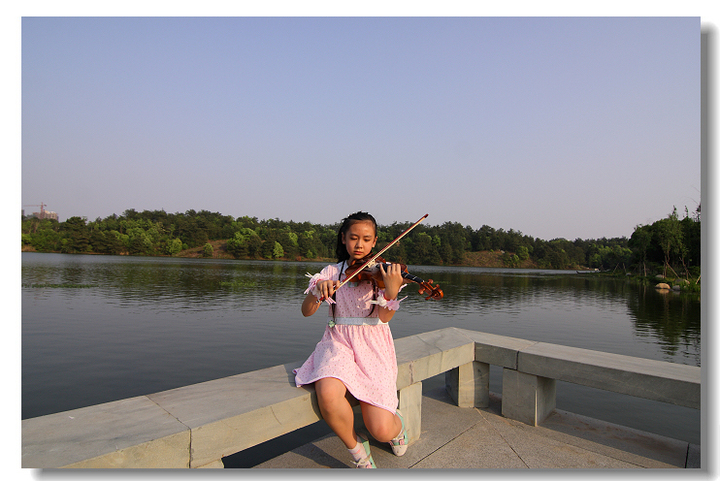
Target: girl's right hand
[(327, 288)]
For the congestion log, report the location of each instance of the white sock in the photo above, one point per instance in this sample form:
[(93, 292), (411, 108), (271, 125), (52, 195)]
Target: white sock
[(358, 452)]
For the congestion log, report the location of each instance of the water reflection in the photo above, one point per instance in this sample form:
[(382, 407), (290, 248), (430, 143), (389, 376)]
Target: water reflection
[(671, 319), (545, 305)]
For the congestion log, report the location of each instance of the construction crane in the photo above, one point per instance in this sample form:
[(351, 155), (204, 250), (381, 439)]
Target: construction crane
[(42, 206)]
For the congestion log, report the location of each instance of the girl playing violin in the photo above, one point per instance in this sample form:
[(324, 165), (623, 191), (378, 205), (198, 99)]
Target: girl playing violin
[(356, 354)]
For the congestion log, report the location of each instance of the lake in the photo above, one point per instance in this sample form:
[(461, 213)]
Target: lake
[(101, 328)]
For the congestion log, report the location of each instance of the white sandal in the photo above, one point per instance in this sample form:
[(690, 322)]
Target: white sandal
[(399, 444)]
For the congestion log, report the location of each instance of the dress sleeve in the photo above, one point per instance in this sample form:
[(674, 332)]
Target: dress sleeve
[(329, 272)]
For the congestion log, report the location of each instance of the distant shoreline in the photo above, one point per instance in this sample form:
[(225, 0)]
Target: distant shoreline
[(489, 259), (482, 259)]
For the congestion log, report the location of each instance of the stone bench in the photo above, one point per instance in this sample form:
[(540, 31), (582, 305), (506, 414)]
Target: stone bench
[(531, 370), (196, 426), (188, 427)]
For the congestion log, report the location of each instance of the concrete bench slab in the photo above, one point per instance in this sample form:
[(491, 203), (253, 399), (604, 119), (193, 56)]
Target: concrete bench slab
[(496, 349), (428, 354), (234, 413), (646, 378), (132, 432)]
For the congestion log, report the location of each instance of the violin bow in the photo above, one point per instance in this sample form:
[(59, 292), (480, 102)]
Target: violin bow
[(372, 259)]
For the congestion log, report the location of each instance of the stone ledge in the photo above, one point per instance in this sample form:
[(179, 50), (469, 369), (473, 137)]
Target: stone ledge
[(211, 401), (234, 413), (496, 349), (425, 355), (646, 378), (129, 433)]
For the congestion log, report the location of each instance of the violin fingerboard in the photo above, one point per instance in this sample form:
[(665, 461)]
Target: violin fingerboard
[(413, 278), (406, 275)]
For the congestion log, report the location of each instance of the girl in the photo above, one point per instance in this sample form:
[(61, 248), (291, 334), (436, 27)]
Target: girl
[(356, 354)]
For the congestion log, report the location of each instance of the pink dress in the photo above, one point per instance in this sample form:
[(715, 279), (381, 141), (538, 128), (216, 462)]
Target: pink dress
[(357, 350)]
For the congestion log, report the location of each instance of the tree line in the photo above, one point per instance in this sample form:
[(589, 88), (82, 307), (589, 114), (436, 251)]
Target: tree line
[(670, 245)]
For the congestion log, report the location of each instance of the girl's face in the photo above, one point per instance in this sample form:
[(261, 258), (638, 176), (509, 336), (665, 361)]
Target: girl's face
[(359, 239)]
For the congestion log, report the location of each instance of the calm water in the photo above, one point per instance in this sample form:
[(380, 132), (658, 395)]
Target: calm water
[(101, 328)]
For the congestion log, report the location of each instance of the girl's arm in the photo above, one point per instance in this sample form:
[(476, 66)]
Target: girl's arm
[(310, 305), (325, 289), (386, 314)]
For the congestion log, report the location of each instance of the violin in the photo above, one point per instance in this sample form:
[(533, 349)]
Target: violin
[(371, 272)]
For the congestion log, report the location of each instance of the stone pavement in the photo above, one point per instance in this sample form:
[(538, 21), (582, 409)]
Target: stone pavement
[(472, 438)]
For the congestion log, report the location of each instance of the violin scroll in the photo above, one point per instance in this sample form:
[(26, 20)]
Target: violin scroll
[(434, 292)]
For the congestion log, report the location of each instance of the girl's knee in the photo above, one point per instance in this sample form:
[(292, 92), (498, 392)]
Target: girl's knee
[(382, 427), (329, 392), (381, 432)]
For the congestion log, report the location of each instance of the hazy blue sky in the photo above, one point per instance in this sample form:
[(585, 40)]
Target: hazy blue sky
[(556, 127)]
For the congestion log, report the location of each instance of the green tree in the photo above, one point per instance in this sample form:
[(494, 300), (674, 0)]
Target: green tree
[(46, 240), (510, 260), (639, 243), (557, 257), (140, 241), (75, 236), (425, 250), (309, 244), (123, 239), (173, 247), (278, 251), (289, 242), (245, 243), (669, 233), (691, 241), (254, 244), (105, 243)]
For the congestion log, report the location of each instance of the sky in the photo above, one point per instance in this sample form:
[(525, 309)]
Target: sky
[(554, 127)]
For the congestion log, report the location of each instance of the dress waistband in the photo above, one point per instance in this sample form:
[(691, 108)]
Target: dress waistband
[(357, 321)]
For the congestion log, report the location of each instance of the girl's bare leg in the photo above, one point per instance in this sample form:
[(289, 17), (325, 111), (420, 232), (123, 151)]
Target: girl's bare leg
[(382, 424), (336, 409)]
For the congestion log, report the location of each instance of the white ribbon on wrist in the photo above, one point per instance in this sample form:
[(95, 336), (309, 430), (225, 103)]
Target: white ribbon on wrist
[(392, 304), (313, 288)]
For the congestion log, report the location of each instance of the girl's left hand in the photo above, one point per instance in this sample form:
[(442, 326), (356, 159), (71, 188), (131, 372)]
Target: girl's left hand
[(393, 279)]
